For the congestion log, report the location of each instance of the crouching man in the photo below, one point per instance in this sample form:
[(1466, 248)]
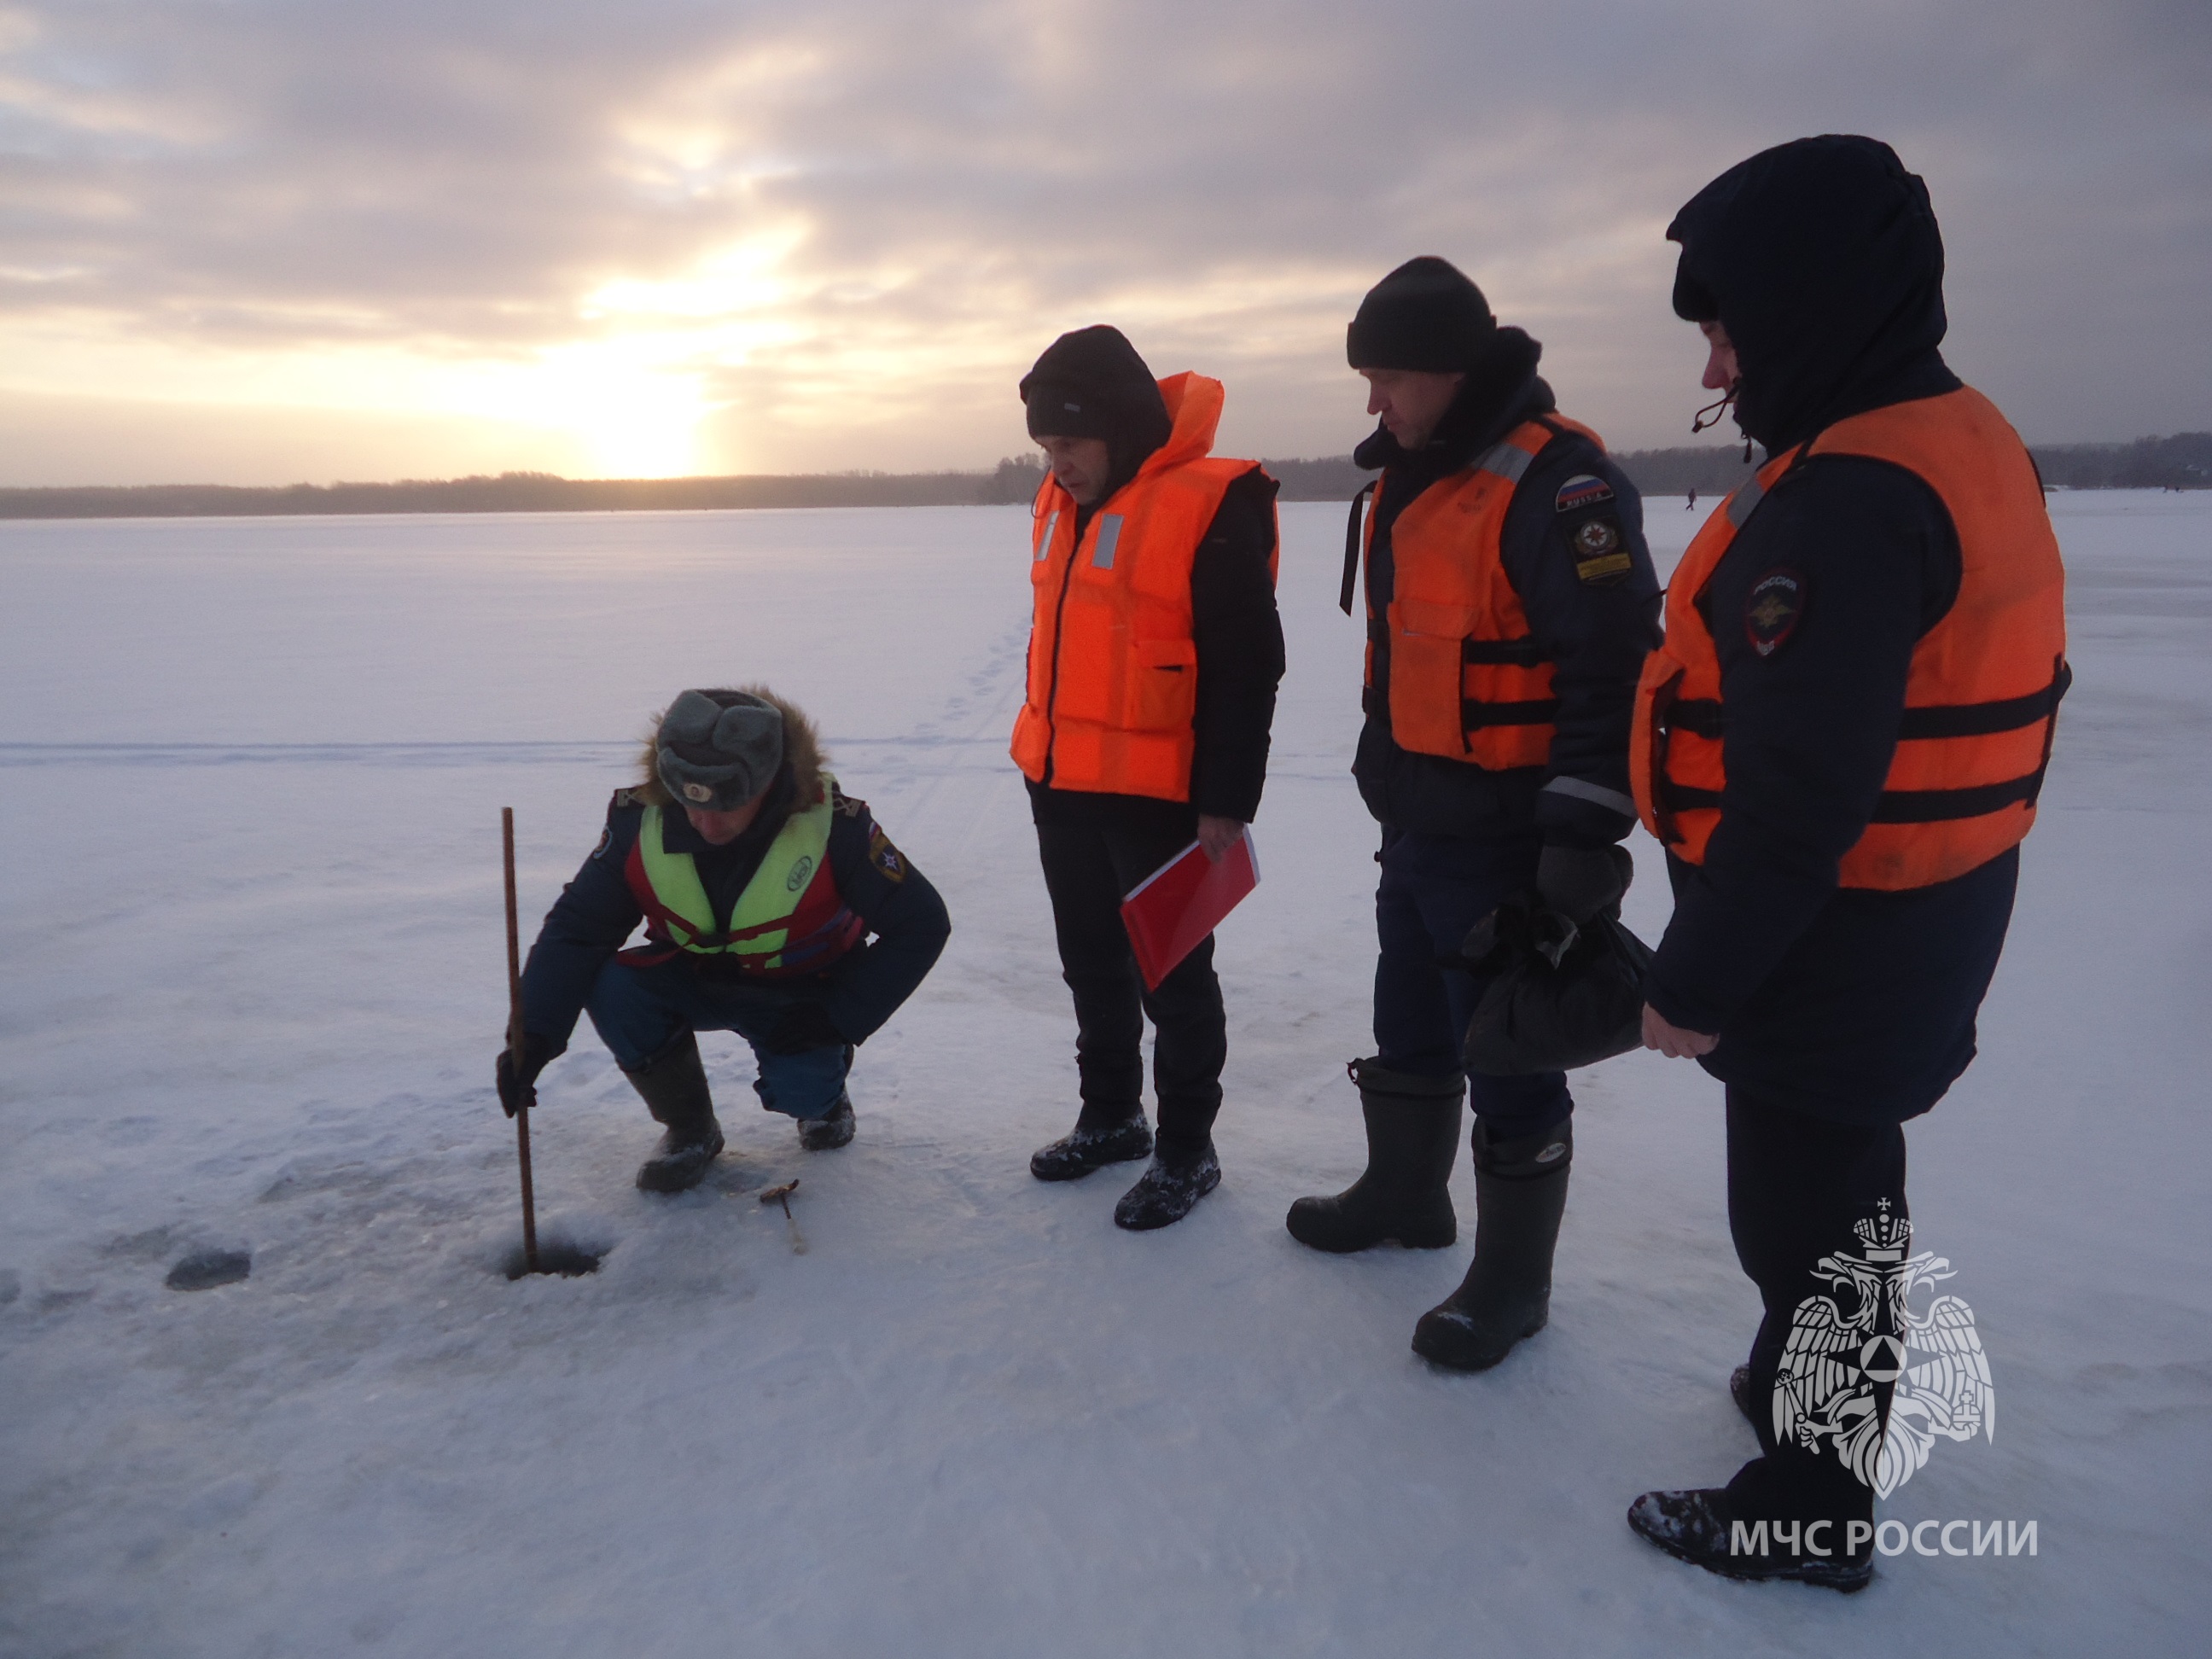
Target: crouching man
[(759, 885)]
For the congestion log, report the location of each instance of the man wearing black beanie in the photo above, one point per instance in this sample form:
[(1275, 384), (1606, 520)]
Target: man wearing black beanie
[(1510, 600), (1155, 650)]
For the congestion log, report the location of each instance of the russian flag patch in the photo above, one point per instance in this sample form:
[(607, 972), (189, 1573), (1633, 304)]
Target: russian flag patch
[(1583, 489)]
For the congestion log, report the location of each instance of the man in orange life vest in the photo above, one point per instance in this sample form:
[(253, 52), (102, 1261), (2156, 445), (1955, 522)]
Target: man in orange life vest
[(1510, 600), (759, 883), (1154, 654), (1840, 744)]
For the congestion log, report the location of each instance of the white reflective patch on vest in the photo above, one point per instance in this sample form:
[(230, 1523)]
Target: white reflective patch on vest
[(1740, 505), (1109, 532), (1044, 542), (1508, 461)]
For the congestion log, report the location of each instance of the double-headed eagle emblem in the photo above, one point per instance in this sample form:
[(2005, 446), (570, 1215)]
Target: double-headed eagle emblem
[(1837, 1365)]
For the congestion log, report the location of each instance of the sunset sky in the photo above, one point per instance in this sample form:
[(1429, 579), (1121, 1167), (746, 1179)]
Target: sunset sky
[(257, 241)]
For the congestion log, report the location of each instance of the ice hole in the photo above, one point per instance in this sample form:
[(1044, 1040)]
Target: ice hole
[(554, 1256), (205, 1269)]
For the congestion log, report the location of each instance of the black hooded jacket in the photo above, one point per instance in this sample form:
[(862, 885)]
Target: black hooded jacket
[(1822, 261), (1598, 633)]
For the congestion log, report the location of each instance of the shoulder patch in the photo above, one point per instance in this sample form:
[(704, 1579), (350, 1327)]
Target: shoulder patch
[(1600, 559), (607, 839), (885, 856), (1583, 489), (1773, 610)]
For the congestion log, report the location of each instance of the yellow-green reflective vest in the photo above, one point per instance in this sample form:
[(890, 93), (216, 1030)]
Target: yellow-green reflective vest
[(789, 919)]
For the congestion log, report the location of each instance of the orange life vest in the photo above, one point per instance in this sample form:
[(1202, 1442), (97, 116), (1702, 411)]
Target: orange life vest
[(1982, 694), (1469, 682), (1113, 669)]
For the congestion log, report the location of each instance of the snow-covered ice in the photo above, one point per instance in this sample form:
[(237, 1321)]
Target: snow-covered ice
[(253, 979)]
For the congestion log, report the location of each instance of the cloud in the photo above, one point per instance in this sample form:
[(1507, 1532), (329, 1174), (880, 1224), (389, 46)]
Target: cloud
[(668, 235)]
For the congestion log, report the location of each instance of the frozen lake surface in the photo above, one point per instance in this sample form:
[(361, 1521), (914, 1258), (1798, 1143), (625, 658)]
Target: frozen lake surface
[(253, 978)]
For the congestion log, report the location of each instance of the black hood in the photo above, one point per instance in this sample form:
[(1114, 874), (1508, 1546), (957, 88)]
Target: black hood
[(1822, 260)]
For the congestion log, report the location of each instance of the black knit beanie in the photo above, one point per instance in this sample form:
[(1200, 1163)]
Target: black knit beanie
[(1092, 384), (1424, 316)]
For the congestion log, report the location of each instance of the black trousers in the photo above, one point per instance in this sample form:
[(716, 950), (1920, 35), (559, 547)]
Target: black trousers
[(1092, 859), (1796, 1186)]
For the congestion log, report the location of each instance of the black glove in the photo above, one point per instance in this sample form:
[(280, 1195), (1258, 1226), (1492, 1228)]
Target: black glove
[(805, 1026), (1580, 881), (517, 1083)]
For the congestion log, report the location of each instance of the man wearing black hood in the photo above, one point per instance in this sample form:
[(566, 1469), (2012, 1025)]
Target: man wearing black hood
[(1155, 650), (1840, 744), (1511, 599)]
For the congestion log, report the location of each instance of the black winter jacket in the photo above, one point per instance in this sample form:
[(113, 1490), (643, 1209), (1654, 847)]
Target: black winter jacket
[(1598, 634), (596, 914), (1850, 1004)]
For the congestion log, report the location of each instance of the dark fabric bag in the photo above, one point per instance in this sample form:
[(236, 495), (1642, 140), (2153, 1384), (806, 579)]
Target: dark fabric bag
[(1560, 996)]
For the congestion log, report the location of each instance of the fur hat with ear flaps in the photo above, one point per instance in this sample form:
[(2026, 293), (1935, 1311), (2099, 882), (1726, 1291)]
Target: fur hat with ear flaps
[(718, 749)]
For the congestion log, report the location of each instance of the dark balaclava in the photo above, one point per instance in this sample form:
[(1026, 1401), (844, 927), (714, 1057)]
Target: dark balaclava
[(1092, 384), (1822, 260), (717, 750), (1427, 316)]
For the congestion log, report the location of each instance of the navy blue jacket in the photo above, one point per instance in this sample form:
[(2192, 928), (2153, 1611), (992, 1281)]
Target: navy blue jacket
[(596, 913), (1856, 1005), (1597, 634), (1823, 261)]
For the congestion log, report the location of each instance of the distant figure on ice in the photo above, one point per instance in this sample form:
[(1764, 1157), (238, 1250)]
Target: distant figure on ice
[(1692, 505), (1840, 745), (759, 883), (1511, 599), (1154, 654)]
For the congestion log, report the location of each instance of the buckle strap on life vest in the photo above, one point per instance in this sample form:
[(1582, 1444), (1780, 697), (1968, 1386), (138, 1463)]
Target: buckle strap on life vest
[(1981, 720), (1352, 526), (1941, 806), (1704, 716)]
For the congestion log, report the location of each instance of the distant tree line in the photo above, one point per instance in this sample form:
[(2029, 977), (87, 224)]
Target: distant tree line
[(2181, 462)]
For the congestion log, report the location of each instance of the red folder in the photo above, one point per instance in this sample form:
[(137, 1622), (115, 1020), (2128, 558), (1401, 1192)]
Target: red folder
[(1183, 901)]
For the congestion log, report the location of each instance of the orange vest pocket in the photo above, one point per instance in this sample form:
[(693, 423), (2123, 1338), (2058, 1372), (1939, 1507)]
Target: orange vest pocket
[(1163, 688), (1428, 647)]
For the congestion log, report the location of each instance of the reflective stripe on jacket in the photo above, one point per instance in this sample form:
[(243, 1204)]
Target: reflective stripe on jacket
[(1982, 694), (1467, 680), (789, 919), (1113, 667)]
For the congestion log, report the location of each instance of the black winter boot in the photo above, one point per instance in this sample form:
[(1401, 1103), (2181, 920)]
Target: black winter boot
[(1520, 1194), (674, 1085), (1166, 1193), (1076, 1155), (833, 1129), (1413, 1141), (1700, 1526)]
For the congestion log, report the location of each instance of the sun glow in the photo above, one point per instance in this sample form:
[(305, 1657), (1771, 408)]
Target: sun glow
[(629, 393)]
